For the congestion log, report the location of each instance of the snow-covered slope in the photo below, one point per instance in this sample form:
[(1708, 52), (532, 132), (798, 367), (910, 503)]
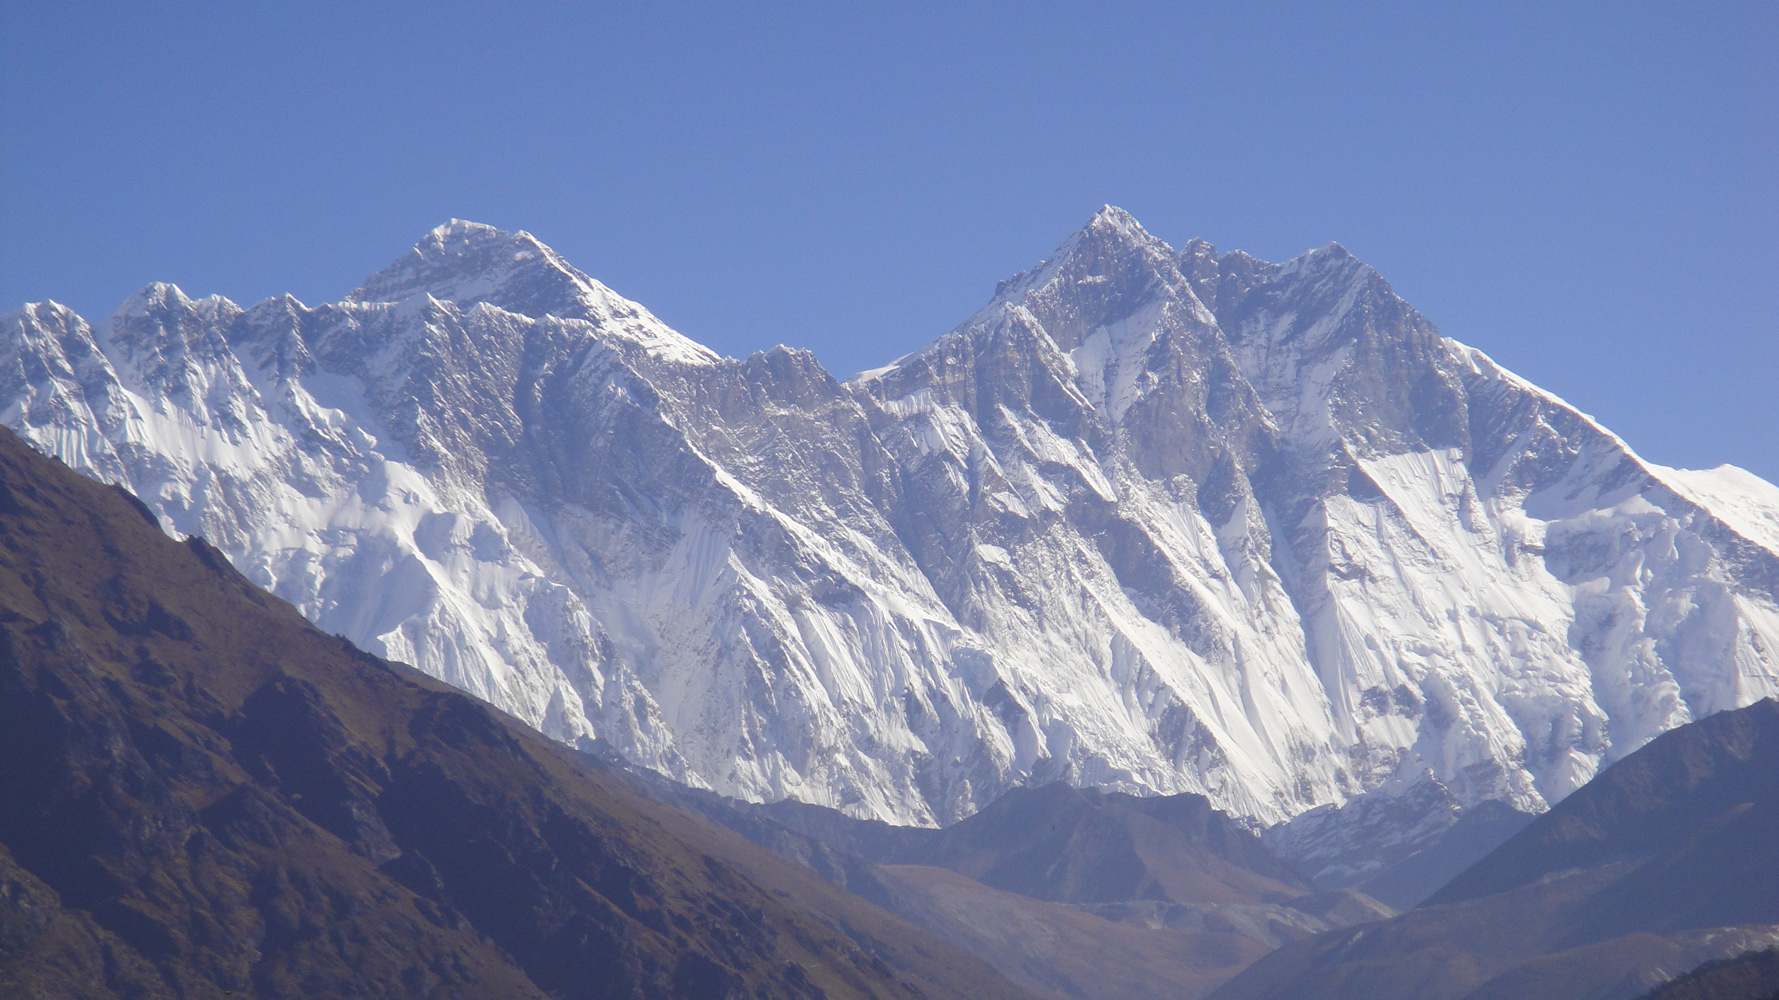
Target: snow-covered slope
[(1155, 519)]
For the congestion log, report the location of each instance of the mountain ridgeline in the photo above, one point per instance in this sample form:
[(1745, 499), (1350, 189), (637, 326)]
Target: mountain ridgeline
[(1156, 520)]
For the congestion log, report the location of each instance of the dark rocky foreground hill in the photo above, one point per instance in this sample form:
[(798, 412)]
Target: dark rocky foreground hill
[(205, 796)]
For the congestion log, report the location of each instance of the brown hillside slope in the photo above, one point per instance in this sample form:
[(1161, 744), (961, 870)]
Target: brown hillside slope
[(204, 796)]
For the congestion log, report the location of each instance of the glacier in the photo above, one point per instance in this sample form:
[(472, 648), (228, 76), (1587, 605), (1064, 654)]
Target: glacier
[(1154, 519)]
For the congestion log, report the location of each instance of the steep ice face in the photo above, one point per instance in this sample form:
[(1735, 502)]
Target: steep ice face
[(1060, 451), (1154, 519), (1490, 596), (225, 423)]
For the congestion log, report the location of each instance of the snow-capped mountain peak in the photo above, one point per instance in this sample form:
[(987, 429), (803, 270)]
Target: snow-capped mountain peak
[(470, 263), (467, 262), (1154, 519), (1112, 263)]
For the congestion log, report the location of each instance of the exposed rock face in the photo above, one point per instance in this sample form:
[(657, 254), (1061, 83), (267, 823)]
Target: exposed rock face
[(1153, 519)]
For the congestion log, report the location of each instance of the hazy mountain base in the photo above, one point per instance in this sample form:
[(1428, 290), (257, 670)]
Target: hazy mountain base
[(1090, 896), (1062, 951)]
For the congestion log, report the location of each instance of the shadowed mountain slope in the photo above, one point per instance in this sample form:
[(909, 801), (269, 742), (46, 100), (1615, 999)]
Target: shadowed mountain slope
[(1677, 797), (1750, 976), (1479, 830), (204, 795), (1668, 859)]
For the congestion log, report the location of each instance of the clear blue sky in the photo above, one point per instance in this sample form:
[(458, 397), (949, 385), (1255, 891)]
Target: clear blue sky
[(1588, 193)]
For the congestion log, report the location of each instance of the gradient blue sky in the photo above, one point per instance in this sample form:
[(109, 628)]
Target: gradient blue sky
[(1588, 193)]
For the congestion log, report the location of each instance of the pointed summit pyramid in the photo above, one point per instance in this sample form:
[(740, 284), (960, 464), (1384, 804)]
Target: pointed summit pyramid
[(469, 263), (1113, 218), (1108, 269)]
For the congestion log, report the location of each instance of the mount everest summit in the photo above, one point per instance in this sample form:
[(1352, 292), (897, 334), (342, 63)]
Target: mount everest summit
[(1155, 519)]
